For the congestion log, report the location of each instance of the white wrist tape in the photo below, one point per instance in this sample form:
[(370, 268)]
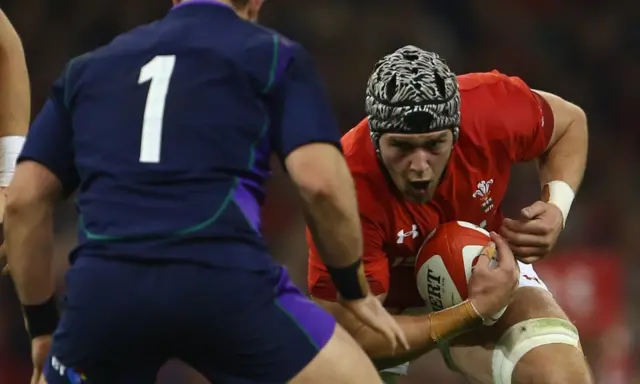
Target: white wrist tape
[(10, 148), (561, 195)]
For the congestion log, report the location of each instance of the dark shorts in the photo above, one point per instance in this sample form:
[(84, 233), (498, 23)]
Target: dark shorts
[(124, 320)]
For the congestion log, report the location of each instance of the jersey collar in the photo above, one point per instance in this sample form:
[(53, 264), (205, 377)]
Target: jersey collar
[(210, 2)]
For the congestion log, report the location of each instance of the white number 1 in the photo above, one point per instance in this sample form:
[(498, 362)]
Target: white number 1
[(159, 71)]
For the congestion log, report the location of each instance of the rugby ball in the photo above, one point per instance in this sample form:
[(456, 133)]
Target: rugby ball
[(445, 262)]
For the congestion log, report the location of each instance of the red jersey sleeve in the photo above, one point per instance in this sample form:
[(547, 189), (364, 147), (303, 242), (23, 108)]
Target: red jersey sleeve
[(524, 124), (375, 261)]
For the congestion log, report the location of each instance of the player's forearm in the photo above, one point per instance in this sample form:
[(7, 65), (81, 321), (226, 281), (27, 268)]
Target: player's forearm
[(333, 219), (15, 97), (28, 231), (421, 331), (329, 200), (417, 330), (567, 158), (335, 226)]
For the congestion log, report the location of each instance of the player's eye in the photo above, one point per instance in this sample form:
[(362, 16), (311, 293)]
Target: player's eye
[(404, 147), (433, 145)]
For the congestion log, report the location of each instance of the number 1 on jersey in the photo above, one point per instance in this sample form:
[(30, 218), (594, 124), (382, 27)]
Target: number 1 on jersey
[(158, 71)]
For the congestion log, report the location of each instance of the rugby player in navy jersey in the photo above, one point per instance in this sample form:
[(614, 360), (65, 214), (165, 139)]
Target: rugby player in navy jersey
[(165, 135)]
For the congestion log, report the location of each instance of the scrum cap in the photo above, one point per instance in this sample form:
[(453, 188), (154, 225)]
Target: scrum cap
[(412, 91)]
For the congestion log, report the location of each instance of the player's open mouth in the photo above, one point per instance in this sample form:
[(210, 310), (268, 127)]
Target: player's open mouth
[(421, 186)]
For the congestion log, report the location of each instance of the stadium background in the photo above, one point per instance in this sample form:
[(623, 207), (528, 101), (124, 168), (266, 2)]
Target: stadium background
[(586, 51)]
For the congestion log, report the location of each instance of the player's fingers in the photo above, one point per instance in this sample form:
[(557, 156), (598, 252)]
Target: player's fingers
[(523, 239), (373, 318), (534, 227), (382, 327), (484, 257), (397, 333), (400, 335), (387, 332), (534, 210), (522, 253), (5, 270), (391, 328), (503, 255)]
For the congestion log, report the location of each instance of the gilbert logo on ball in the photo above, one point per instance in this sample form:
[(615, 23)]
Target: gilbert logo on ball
[(445, 262)]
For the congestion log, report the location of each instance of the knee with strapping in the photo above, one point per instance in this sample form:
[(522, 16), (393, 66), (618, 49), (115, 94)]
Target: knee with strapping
[(521, 338)]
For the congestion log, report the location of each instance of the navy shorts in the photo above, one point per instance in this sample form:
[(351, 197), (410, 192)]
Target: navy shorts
[(124, 320)]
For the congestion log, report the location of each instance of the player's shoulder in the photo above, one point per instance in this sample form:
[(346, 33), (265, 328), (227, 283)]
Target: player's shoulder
[(266, 48), (75, 68), (493, 80), (372, 187), (262, 53), (122, 43), (78, 64), (62, 91), (130, 40), (271, 38), (488, 99), (358, 148)]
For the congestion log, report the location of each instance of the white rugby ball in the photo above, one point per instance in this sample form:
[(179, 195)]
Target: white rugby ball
[(444, 265)]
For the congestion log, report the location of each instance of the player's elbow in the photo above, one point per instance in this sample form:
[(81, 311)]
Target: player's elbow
[(20, 204), (577, 116), (25, 210), (33, 189), (573, 131), (319, 171)]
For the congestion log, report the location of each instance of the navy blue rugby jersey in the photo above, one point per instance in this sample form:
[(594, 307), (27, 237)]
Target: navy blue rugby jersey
[(166, 132)]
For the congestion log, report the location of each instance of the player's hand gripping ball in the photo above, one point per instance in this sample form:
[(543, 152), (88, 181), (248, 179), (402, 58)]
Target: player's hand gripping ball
[(445, 262)]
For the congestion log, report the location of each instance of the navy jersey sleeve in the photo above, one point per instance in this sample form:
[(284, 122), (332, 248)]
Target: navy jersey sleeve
[(303, 113), (50, 138)]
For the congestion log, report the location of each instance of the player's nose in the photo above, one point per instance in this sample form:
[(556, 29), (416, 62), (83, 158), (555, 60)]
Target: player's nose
[(420, 163)]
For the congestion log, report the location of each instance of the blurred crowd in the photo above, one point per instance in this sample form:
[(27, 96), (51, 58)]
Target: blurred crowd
[(585, 51)]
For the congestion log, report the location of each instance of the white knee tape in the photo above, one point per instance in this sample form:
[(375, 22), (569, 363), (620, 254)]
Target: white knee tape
[(525, 336)]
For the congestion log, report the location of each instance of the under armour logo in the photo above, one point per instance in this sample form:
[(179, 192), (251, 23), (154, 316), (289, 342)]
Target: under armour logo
[(402, 234)]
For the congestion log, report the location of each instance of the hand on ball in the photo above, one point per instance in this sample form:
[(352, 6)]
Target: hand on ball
[(534, 234), (492, 285)]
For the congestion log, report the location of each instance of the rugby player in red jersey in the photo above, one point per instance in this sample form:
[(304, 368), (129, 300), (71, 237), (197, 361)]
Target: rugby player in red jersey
[(437, 147)]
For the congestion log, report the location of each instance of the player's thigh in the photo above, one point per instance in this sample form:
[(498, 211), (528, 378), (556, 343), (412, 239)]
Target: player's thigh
[(108, 318), (142, 371), (340, 361), (266, 332), (533, 342)]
